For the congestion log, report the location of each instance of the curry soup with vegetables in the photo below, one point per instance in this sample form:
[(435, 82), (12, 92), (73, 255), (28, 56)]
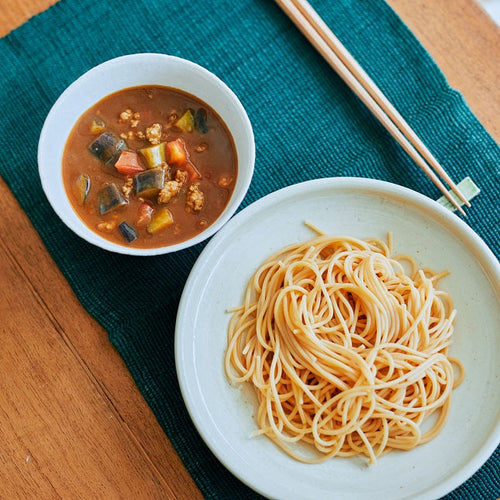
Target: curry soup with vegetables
[(149, 167)]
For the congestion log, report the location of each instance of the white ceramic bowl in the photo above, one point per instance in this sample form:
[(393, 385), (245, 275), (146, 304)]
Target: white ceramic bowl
[(131, 71)]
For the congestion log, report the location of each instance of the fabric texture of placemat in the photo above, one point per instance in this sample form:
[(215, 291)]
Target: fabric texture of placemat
[(307, 124)]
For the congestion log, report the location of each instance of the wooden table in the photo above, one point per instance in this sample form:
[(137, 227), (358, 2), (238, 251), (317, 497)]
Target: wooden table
[(72, 422)]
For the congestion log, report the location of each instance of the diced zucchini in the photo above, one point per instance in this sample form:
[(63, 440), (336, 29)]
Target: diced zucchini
[(82, 188), (200, 120), (149, 183), (107, 147), (127, 231), (186, 121), (109, 198), (161, 219), (155, 155), (97, 126)]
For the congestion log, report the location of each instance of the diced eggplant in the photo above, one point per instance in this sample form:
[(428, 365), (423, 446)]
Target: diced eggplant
[(82, 188), (149, 183), (186, 121), (107, 147), (97, 126), (200, 120), (155, 155), (127, 231), (161, 219), (109, 198)]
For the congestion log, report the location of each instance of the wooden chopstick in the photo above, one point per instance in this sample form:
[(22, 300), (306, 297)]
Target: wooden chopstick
[(337, 56), (348, 60)]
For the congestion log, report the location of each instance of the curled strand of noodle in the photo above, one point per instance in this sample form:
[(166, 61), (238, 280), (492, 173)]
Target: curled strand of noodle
[(347, 352)]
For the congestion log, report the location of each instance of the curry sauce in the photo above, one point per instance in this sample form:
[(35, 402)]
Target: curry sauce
[(149, 167)]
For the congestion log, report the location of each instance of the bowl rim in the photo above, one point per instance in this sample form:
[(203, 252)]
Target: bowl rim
[(64, 209)]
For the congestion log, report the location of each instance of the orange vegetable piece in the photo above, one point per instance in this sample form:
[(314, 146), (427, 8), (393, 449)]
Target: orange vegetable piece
[(177, 153), (129, 163), (192, 171), (179, 157), (144, 214)]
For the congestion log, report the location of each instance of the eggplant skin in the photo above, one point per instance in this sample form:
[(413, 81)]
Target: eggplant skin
[(127, 231), (107, 147), (109, 198), (82, 188), (149, 183), (200, 121)]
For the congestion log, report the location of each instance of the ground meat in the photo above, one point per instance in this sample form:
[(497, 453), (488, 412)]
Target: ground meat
[(106, 227), (153, 133), (195, 198), (172, 117), (127, 135), (169, 190), (181, 177), (127, 187), (126, 115), (172, 188), (203, 146), (225, 181)]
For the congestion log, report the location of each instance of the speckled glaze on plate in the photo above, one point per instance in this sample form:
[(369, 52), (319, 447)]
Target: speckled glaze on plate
[(362, 208)]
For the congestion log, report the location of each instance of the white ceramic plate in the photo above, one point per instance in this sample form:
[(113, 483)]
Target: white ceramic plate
[(362, 208)]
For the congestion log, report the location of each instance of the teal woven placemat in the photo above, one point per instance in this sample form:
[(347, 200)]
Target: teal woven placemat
[(307, 124)]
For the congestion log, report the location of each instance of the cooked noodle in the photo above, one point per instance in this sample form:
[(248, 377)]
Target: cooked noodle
[(345, 349)]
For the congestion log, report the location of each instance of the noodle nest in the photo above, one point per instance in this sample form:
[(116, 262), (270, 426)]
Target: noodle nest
[(346, 348)]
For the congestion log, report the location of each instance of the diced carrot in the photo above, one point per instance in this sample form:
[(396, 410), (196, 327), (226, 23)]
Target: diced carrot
[(192, 171), (177, 153), (179, 157), (144, 213), (129, 163)]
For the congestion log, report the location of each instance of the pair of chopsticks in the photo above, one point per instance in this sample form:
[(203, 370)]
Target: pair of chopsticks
[(338, 57)]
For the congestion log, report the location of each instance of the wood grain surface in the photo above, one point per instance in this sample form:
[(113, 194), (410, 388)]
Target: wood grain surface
[(72, 422)]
